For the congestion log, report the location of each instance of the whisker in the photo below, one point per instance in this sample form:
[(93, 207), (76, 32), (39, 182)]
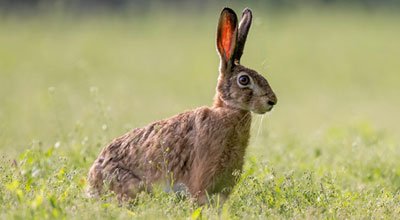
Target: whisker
[(259, 128)]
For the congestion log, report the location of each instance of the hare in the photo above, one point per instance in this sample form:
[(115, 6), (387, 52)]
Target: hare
[(199, 149)]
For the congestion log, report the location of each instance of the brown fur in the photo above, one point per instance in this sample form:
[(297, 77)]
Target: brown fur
[(199, 149)]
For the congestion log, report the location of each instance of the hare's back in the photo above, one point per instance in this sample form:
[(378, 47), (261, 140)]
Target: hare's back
[(145, 149)]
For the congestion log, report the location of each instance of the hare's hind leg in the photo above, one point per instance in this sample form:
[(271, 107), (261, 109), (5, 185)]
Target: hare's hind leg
[(121, 181), (125, 184)]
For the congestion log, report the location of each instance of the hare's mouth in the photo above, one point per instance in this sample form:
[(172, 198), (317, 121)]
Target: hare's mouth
[(263, 110)]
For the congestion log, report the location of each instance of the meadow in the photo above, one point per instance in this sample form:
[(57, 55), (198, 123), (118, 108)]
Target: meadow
[(330, 149)]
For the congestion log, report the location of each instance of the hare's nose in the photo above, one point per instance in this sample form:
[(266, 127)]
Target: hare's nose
[(272, 99), (271, 102)]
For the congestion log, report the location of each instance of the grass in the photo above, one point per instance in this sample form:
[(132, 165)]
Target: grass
[(330, 149)]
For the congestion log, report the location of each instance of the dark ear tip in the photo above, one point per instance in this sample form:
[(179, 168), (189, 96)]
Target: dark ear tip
[(247, 11), (227, 10)]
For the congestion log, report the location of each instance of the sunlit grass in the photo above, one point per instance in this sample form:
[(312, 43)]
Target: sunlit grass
[(330, 148)]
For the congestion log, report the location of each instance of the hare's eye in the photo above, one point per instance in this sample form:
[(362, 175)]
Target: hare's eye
[(243, 80)]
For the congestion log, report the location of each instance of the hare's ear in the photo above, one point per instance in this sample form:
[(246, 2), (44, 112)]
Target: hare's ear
[(227, 36), (244, 28)]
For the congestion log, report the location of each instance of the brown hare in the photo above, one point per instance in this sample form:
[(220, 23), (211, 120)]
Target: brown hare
[(198, 149)]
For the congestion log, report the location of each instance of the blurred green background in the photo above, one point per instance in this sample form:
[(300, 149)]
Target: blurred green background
[(76, 74), (102, 69)]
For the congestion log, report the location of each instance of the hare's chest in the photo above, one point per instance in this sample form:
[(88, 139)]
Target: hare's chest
[(231, 163)]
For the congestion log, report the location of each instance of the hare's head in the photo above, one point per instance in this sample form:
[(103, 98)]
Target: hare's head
[(239, 87)]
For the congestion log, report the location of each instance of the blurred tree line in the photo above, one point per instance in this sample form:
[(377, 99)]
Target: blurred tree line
[(143, 5)]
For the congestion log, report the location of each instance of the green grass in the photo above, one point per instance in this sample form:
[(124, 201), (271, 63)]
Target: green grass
[(330, 148)]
